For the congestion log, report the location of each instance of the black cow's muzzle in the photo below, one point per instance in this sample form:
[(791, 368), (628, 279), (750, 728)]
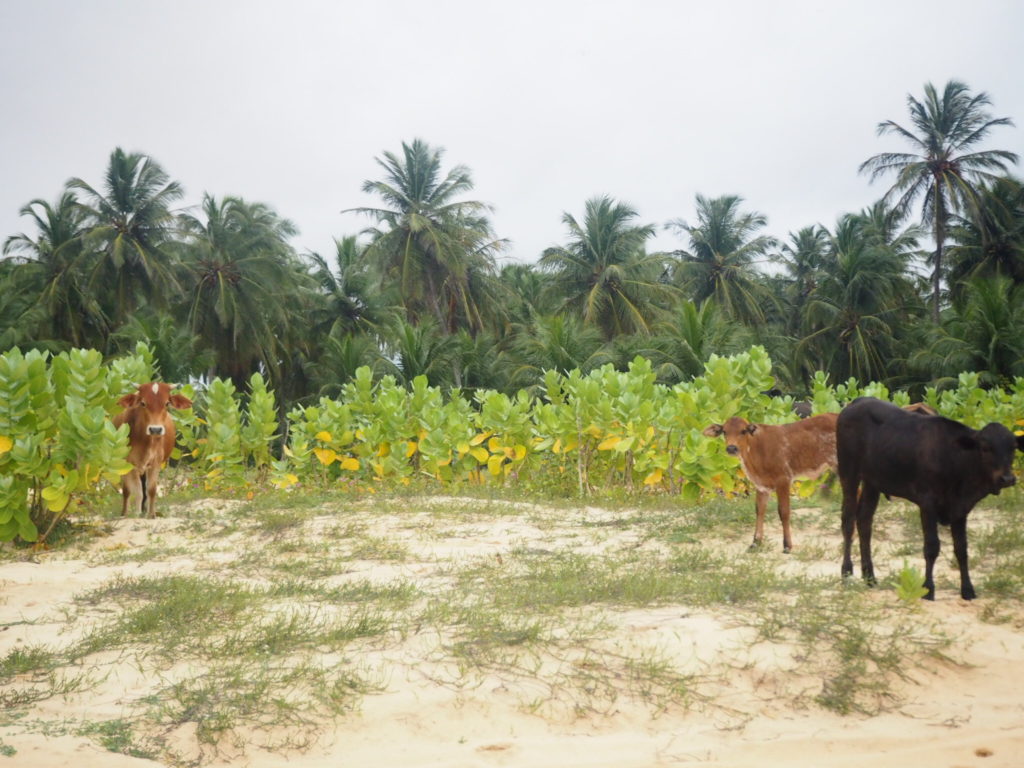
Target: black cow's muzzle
[(1007, 480)]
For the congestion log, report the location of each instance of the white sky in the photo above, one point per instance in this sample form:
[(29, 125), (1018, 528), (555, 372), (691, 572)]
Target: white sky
[(548, 103)]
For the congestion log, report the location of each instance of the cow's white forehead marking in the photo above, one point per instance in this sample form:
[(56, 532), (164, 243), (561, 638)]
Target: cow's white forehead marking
[(156, 388)]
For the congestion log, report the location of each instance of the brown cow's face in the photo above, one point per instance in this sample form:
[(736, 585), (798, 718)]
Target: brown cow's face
[(152, 400), (737, 433)]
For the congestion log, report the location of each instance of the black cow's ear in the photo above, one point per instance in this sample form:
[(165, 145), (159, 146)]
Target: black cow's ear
[(715, 430), (967, 442)]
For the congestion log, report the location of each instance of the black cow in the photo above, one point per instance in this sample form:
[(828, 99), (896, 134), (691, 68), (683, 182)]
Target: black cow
[(941, 465)]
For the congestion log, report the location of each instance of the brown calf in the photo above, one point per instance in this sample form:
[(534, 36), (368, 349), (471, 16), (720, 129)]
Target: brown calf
[(150, 440), (774, 455)]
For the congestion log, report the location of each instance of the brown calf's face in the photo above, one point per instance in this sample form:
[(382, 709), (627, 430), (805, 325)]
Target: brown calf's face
[(737, 433), (154, 399)]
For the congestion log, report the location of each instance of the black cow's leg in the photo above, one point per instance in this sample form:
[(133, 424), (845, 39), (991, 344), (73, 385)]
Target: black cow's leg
[(849, 519), (959, 530), (930, 528), (866, 505)]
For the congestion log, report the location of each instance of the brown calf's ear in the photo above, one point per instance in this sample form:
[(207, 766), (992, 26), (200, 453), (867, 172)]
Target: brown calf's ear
[(129, 401), (750, 429), (180, 402), (715, 430)]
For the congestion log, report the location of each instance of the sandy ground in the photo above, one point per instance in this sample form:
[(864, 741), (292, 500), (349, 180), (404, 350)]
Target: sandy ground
[(953, 715)]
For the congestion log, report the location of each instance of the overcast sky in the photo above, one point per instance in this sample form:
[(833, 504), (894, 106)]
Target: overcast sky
[(548, 103)]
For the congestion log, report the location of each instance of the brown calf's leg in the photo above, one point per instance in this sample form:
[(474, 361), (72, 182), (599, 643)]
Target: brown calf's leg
[(782, 497), (760, 505)]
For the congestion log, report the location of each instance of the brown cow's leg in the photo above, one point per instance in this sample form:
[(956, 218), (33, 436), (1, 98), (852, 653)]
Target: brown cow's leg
[(152, 476), (760, 505), (133, 486), (866, 506), (959, 530), (782, 497), (125, 493)]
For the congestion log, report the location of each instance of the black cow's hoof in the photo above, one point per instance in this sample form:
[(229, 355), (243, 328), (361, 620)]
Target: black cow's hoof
[(968, 594)]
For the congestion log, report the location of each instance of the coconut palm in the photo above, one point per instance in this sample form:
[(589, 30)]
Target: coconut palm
[(990, 238), (724, 249), (129, 226), (53, 263), (803, 259), (351, 302), (983, 333), (603, 274), (687, 338), (853, 321), (246, 286), (437, 249), (557, 342), (945, 167)]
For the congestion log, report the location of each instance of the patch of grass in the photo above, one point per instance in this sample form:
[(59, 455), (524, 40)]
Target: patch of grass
[(120, 736), (230, 701), (855, 645), (378, 548), (32, 658)]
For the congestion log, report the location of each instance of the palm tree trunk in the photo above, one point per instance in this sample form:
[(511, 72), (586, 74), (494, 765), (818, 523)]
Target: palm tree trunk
[(940, 238)]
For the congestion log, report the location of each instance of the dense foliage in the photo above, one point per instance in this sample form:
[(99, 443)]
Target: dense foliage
[(606, 428), (217, 291)]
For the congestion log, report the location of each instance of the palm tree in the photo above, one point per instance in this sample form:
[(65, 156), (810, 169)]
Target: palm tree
[(437, 249), (720, 263), (351, 301), (990, 239), (604, 274), (689, 336), (557, 342), (985, 333), (129, 224), (854, 319), (803, 259), (246, 286), (54, 258), (945, 168)]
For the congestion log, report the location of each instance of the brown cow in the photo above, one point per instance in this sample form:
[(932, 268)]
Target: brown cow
[(773, 455), (150, 440)]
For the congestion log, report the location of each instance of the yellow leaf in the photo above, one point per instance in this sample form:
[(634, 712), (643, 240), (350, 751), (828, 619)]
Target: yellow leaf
[(422, 435), (410, 448), (654, 478), (249, 495), (557, 447), (325, 455), (350, 463), (324, 435), (359, 434), (480, 438), (379, 469), (494, 444), (480, 454), (494, 464), (293, 478), (5, 444), (462, 448), (384, 450), (593, 430), (608, 443), (214, 473), (200, 421), (445, 463), (520, 452), (286, 449)]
